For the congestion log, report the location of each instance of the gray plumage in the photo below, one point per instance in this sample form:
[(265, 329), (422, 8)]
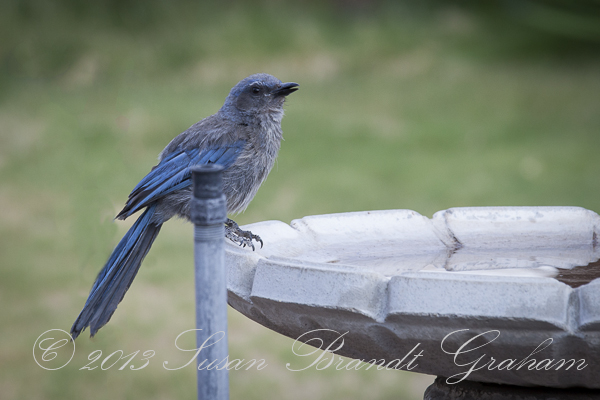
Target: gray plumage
[(259, 123), (244, 136)]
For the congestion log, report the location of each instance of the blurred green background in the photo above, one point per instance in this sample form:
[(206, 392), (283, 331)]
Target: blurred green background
[(421, 106)]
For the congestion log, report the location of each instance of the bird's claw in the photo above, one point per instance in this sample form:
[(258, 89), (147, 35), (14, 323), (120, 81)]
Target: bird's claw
[(241, 237)]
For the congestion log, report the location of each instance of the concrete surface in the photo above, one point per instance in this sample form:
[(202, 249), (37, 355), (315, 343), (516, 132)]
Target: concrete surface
[(468, 294)]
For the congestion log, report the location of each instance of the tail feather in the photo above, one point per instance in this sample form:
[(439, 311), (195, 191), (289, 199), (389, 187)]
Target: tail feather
[(118, 273)]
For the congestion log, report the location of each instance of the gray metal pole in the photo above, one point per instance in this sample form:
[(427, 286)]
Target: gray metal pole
[(209, 213)]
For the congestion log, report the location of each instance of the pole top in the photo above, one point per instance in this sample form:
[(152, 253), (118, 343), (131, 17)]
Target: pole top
[(209, 205), (207, 181)]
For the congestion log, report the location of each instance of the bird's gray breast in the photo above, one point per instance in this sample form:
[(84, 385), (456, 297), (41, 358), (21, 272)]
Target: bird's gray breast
[(244, 177)]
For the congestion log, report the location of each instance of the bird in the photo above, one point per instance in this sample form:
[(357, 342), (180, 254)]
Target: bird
[(244, 137)]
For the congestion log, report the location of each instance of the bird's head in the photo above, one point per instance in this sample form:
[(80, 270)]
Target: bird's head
[(257, 94)]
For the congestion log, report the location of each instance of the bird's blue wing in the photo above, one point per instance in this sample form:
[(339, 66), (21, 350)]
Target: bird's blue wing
[(174, 173)]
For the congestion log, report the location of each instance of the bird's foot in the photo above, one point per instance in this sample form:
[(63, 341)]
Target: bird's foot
[(240, 237)]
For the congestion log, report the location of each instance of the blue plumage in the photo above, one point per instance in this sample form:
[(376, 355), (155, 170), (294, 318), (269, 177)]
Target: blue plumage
[(243, 136), (174, 173)]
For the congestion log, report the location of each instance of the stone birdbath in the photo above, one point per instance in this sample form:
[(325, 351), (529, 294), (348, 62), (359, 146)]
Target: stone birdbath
[(478, 296)]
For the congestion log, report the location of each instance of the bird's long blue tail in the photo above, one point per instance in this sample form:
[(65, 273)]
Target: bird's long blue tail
[(118, 273)]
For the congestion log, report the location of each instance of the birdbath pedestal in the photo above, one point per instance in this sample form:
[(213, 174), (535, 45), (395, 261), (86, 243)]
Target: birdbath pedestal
[(480, 297)]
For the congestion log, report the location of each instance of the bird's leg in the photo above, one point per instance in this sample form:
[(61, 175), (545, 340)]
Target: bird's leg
[(236, 235)]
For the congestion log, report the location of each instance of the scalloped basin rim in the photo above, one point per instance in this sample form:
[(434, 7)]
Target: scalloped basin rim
[(416, 278)]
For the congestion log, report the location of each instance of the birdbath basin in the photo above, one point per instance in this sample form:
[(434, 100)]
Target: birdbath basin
[(491, 294)]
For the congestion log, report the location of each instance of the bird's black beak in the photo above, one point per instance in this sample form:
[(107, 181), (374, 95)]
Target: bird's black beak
[(285, 89)]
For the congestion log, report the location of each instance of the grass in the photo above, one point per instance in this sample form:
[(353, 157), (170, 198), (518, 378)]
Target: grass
[(423, 109)]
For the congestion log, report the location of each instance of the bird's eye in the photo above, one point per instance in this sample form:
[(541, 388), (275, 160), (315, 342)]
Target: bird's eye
[(255, 90)]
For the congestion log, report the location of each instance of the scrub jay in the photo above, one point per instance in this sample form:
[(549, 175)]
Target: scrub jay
[(244, 137)]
